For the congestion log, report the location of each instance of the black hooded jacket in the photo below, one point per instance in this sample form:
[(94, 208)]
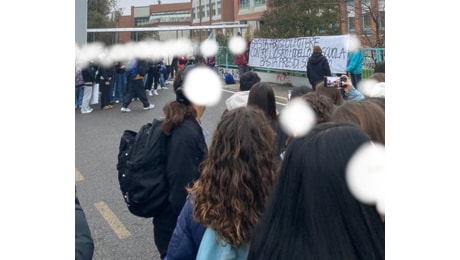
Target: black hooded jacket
[(317, 68)]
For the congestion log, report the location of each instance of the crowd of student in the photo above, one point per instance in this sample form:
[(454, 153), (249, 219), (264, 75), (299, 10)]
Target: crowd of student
[(258, 193), (96, 83)]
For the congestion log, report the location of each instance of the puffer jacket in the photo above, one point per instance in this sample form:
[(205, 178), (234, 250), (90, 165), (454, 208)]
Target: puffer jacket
[(186, 239)]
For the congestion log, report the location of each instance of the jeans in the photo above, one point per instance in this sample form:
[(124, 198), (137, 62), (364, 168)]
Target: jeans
[(78, 96), (162, 79), (355, 78), (120, 86)]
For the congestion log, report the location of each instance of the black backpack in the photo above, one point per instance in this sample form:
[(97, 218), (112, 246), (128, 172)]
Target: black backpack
[(142, 170)]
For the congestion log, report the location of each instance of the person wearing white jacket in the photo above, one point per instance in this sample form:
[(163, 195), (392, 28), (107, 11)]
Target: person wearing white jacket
[(240, 98)]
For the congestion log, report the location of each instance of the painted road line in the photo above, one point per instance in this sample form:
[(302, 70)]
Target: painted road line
[(115, 223), (78, 176)]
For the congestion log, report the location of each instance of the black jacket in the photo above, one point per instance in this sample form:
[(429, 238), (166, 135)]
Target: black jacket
[(317, 68), (186, 149), (88, 75), (84, 245)]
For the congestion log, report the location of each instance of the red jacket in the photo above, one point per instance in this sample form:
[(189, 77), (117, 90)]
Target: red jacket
[(241, 60)]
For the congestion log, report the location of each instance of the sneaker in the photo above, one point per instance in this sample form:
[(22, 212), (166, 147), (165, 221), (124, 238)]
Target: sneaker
[(164, 87), (150, 93), (107, 107), (149, 107), (125, 110), (86, 111), (155, 92), (117, 101)]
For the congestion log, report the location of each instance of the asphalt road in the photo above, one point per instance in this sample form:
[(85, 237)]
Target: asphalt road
[(118, 234)]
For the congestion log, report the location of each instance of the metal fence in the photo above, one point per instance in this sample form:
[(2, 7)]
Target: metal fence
[(226, 59)]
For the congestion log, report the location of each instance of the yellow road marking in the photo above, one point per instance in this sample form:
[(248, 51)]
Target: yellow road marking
[(78, 176), (112, 220)]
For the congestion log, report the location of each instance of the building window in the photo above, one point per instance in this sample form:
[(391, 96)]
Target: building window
[(259, 2), (367, 23), (351, 24), (171, 17), (382, 20), (195, 13), (206, 10), (139, 21), (244, 4)]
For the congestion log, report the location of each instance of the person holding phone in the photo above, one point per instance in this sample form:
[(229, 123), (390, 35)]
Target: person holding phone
[(349, 92)]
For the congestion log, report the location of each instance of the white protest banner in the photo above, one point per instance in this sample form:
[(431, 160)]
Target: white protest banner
[(293, 53)]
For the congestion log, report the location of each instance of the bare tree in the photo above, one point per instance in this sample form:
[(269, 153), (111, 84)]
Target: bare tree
[(373, 14)]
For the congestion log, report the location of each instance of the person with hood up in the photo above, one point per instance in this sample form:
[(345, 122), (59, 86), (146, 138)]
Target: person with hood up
[(317, 67)]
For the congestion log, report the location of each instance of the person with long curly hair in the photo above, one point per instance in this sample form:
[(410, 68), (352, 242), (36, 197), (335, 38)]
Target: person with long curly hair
[(227, 200)]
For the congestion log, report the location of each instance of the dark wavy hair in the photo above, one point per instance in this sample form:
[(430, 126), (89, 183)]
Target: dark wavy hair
[(311, 213), (176, 112), (236, 177), (321, 105), (367, 114)]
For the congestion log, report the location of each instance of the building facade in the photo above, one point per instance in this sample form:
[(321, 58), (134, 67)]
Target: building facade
[(156, 15), (365, 18)]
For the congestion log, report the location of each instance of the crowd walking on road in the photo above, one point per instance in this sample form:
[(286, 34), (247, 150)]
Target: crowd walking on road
[(254, 191)]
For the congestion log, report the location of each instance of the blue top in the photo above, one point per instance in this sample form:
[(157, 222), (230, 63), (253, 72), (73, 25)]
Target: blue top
[(187, 235), (355, 62), (354, 95), (210, 249)]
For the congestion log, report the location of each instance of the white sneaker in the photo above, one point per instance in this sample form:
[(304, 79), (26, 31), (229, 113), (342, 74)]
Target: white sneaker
[(155, 92), (150, 93), (164, 88), (149, 107), (86, 111), (125, 110), (117, 101)]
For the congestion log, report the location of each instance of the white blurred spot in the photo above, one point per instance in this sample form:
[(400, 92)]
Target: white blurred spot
[(365, 175), (209, 48), (237, 45), (353, 43), (203, 86), (371, 88), (297, 118), (155, 50)]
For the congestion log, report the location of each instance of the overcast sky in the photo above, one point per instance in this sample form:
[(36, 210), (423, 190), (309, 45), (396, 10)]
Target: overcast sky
[(126, 4)]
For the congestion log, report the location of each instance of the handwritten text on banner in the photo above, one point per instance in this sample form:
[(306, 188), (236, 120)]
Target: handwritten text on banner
[(293, 53)]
